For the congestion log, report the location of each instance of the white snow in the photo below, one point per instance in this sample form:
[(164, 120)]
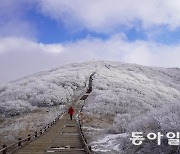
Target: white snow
[(50, 88), (129, 97), (125, 98), (107, 143), (33, 101)]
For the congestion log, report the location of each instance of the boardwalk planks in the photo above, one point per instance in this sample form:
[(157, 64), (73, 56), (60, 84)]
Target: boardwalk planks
[(61, 138)]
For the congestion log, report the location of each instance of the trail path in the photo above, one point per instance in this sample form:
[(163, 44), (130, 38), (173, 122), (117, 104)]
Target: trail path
[(62, 138)]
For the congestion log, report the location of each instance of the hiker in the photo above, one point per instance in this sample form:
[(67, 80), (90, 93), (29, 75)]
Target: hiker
[(71, 112)]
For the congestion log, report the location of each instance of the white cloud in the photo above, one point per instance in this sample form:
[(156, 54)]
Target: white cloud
[(106, 15), (51, 48), (19, 57), (14, 44), (13, 20)]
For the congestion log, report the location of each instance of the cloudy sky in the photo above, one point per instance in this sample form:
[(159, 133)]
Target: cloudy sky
[(37, 35)]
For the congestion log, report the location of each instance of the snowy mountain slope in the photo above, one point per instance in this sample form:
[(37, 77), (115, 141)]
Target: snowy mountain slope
[(125, 98), (45, 89), (33, 101), (130, 98)]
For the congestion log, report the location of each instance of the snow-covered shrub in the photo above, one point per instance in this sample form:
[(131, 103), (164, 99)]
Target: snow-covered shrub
[(35, 94), (145, 124), (3, 88), (50, 88), (125, 98), (137, 98), (121, 122)]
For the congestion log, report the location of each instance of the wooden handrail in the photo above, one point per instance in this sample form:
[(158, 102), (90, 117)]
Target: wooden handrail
[(16, 145), (87, 148), (84, 140)]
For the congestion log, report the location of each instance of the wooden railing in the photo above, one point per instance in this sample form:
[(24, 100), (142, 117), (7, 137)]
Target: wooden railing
[(84, 140), (21, 142)]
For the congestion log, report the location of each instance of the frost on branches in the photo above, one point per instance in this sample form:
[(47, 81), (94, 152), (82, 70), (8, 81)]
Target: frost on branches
[(125, 98), (130, 98), (33, 101)]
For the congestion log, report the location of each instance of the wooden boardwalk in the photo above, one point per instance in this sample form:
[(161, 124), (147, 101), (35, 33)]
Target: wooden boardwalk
[(62, 138), (65, 137)]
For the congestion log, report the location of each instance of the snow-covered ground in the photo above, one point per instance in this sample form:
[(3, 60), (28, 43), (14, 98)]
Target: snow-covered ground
[(126, 98), (130, 98), (33, 101)]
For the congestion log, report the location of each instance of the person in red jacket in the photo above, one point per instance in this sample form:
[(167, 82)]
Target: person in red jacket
[(71, 112)]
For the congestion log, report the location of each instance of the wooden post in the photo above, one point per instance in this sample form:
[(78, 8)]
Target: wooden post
[(90, 148), (29, 137), (4, 151), (19, 142), (35, 134)]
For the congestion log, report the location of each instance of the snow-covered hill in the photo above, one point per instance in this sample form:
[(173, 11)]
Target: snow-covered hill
[(130, 98), (125, 98), (35, 100), (54, 87)]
